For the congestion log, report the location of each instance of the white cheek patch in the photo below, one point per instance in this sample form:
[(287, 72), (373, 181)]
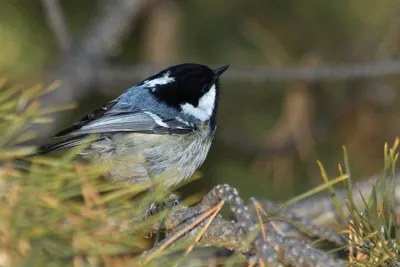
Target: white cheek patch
[(159, 81), (204, 109)]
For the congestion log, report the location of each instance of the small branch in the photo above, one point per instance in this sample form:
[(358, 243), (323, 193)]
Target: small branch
[(57, 23), (203, 230), (299, 253), (323, 210), (262, 74), (234, 235), (282, 237), (181, 232), (308, 226)]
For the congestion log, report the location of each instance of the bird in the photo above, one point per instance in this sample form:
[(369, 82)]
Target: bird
[(168, 120)]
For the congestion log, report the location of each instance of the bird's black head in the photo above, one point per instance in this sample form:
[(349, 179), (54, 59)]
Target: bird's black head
[(190, 88)]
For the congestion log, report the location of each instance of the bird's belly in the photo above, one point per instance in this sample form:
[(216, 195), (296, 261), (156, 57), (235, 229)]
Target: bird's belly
[(138, 157)]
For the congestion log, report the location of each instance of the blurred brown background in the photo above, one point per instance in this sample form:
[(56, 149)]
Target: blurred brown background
[(306, 76)]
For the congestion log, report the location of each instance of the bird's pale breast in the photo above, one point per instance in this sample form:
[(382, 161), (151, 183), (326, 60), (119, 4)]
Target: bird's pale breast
[(136, 156)]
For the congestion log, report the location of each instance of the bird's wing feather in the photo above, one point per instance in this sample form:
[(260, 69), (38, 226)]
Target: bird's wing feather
[(143, 122), (67, 143), (88, 118), (116, 120), (107, 120)]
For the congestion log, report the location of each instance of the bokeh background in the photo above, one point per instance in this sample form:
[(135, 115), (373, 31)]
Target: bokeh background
[(306, 77)]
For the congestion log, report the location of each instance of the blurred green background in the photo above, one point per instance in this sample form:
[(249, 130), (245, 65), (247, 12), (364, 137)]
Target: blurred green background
[(270, 134)]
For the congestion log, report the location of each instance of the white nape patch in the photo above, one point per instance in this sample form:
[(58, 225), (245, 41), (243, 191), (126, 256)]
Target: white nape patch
[(205, 107), (159, 81), (157, 119)]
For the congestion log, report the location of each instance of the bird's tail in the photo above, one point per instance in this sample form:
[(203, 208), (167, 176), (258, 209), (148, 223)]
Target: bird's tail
[(67, 143)]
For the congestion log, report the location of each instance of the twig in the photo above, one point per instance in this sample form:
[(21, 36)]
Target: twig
[(230, 195), (179, 234), (294, 251), (287, 248), (258, 208), (56, 21), (322, 208), (310, 228), (230, 235), (262, 74), (205, 227), (264, 232)]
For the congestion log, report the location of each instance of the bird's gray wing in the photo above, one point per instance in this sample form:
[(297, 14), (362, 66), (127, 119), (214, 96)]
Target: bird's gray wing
[(105, 121), (137, 121), (111, 118)]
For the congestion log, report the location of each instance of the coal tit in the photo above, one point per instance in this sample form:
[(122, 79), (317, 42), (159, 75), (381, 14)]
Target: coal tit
[(169, 120)]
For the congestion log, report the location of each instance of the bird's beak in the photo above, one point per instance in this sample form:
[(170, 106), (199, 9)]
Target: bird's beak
[(221, 70)]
